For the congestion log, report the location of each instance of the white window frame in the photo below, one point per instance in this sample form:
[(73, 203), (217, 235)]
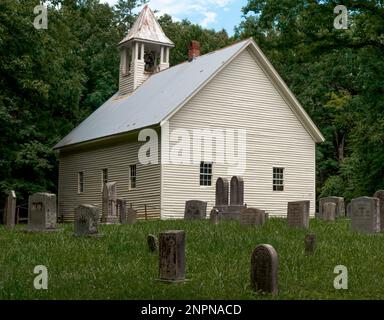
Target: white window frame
[(132, 176), (205, 174), (80, 182), (278, 179)]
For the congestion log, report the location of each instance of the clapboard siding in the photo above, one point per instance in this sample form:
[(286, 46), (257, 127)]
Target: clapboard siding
[(241, 96), (117, 158)]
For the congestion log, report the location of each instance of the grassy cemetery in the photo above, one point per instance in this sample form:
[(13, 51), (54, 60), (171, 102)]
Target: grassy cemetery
[(118, 263)]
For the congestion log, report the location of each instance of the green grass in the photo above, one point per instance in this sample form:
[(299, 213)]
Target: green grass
[(119, 265)]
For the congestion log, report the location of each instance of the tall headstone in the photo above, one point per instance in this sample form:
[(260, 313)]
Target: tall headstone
[(252, 217), (131, 216), (340, 206), (109, 212), (153, 243), (298, 214), (329, 211), (121, 207), (237, 191), (215, 217), (172, 256), (86, 220), (42, 212), (380, 195), (10, 210), (264, 269), (310, 243), (222, 190), (365, 215), (195, 210)]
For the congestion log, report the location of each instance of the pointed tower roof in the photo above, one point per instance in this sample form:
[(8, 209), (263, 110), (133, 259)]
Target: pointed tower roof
[(147, 28)]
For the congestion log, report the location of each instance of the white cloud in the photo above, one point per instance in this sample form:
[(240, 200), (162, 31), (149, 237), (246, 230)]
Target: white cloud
[(210, 17)]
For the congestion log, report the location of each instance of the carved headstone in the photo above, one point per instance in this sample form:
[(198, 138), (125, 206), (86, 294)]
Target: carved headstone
[(109, 212), (252, 217), (10, 210), (329, 211), (222, 190), (131, 216), (122, 210), (215, 217), (172, 256), (264, 269), (42, 212), (195, 209), (365, 215), (298, 214), (237, 191), (380, 195), (310, 243), (86, 220), (153, 243), (340, 206)]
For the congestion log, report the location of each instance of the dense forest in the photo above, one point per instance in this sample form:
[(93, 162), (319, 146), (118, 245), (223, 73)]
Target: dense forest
[(51, 79)]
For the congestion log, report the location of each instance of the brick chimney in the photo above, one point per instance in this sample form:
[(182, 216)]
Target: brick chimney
[(193, 50)]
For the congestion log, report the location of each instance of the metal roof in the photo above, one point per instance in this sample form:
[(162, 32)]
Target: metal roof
[(153, 101), (147, 28)]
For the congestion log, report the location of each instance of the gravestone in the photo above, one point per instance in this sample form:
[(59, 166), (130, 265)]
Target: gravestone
[(10, 210), (214, 217), (310, 243), (298, 214), (109, 212), (380, 195), (264, 269), (42, 212), (252, 217), (172, 256), (237, 191), (131, 216), (340, 206), (329, 211), (349, 207), (153, 243), (365, 215), (195, 210), (222, 190), (122, 210), (86, 220)]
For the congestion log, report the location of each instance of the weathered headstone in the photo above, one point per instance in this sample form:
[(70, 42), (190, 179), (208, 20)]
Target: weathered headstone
[(365, 215), (172, 256), (86, 220), (195, 209), (42, 212), (215, 217), (310, 243), (380, 195), (237, 191), (10, 210), (329, 211), (122, 210), (222, 190), (153, 243), (252, 217), (109, 212), (340, 206), (298, 214), (349, 210), (131, 216), (264, 269)]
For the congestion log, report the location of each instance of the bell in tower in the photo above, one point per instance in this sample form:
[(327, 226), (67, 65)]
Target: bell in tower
[(144, 51)]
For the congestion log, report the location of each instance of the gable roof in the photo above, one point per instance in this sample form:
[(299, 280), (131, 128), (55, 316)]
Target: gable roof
[(147, 28), (164, 93)]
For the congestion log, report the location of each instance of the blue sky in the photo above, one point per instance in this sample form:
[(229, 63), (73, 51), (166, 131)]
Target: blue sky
[(212, 14)]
